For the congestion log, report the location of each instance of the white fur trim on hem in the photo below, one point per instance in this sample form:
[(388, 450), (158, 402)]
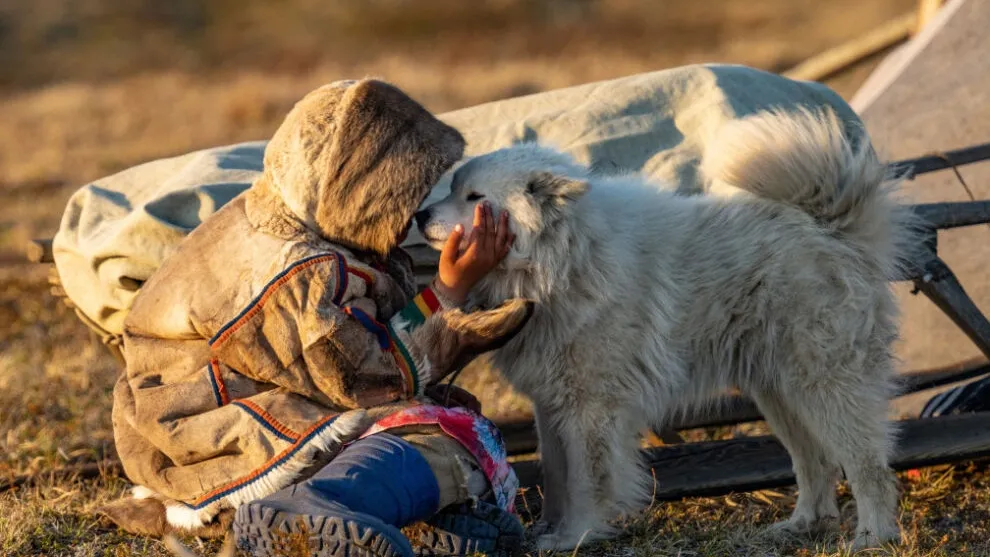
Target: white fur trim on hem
[(327, 438)]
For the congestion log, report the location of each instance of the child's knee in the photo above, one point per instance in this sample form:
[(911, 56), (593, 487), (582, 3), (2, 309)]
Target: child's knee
[(457, 472)]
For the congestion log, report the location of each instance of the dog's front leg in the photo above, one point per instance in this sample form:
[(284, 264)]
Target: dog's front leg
[(582, 516), (553, 461)]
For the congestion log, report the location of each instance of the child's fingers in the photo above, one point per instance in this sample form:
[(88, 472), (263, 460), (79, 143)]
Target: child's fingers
[(502, 231), (479, 216), (450, 249), (487, 231)]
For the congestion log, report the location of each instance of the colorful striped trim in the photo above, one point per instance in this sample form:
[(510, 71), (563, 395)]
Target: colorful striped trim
[(420, 308), (219, 387), (387, 340), (342, 280), (405, 361), (266, 419), (369, 322), (367, 278), (273, 463), (258, 302)]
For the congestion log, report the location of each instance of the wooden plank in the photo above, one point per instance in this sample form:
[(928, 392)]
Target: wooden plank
[(942, 287), (917, 381), (838, 58), (720, 467), (926, 11), (909, 168), (943, 216), (520, 436)]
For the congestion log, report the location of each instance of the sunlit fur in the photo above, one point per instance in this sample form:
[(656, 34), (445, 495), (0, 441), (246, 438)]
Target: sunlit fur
[(648, 301)]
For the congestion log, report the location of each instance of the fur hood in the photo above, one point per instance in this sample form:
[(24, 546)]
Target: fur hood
[(352, 162)]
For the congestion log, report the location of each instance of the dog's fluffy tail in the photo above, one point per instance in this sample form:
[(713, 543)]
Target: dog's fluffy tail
[(805, 159)]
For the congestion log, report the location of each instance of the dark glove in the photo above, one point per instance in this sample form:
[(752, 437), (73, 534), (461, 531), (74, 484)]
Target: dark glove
[(454, 397)]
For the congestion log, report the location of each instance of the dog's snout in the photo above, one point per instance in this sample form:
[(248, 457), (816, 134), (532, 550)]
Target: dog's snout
[(422, 217)]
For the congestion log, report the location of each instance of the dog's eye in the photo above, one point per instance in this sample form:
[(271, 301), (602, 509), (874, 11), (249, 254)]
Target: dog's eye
[(474, 196)]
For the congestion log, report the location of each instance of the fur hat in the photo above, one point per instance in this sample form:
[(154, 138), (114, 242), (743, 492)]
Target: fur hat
[(353, 160)]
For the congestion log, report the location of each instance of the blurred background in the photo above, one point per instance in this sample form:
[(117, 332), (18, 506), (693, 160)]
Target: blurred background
[(89, 87)]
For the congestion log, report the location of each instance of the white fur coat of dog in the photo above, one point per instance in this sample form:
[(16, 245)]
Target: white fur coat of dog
[(649, 301)]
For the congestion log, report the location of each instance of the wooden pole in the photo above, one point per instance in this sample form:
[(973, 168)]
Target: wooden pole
[(839, 58), (926, 11), (713, 468)]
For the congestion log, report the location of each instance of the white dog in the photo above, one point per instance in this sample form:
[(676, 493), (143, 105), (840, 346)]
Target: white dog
[(648, 301)]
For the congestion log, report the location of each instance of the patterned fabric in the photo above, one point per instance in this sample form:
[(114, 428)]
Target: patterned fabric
[(423, 305), (476, 433), (394, 337)]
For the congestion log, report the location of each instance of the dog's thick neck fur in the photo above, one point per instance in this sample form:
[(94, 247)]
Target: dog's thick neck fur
[(577, 266)]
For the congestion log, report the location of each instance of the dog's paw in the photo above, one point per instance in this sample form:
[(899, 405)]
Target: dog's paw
[(549, 542), (782, 532), (539, 528), (798, 526), (866, 539), (563, 541)]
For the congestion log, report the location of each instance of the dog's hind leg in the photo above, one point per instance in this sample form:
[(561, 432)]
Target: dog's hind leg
[(816, 508), (850, 421)]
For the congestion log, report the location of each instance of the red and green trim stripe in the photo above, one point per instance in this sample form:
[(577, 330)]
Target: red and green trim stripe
[(420, 308)]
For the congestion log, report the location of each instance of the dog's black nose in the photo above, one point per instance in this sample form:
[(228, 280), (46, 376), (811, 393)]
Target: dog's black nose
[(422, 217)]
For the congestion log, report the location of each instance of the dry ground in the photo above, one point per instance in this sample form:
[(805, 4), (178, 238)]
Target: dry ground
[(88, 87)]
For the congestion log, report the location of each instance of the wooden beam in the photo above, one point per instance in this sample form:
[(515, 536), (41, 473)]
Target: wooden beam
[(839, 58), (720, 467), (520, 436), (917, 381), (716, 467), (909, 168), (943, 216), (942, 287), (926, 11)]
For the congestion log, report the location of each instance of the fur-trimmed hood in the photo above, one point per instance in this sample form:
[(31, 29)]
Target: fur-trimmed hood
[(352, 161)]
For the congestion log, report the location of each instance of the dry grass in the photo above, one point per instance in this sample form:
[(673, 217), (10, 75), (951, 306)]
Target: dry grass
[(88, 87), (945, 511)]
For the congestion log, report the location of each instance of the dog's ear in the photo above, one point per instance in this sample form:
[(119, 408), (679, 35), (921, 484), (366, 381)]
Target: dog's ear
[(546, 186)]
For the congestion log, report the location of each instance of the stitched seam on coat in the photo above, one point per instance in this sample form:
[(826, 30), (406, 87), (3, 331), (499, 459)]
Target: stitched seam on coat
[(342, 280), (267, 420), (387, 342), (258, 303), (219, 387), (368, 279)]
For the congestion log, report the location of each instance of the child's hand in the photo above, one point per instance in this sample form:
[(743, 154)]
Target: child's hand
[(486, 248)]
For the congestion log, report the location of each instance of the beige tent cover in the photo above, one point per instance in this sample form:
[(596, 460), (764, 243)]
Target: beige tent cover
[(933, 94), (117, 230)]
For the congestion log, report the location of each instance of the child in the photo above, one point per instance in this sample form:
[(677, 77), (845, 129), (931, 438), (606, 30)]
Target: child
[(277, 361)]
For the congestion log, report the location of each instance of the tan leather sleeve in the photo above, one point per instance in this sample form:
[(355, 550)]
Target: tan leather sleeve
[(307, 332)]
